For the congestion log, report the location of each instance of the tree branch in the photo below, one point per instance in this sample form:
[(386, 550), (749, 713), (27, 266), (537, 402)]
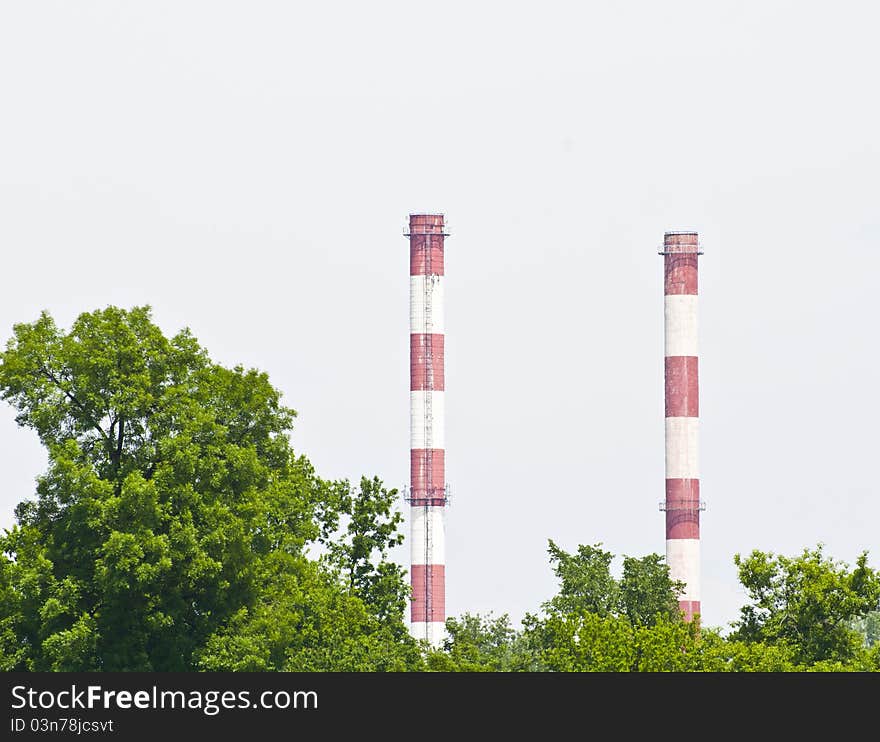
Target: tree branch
[(49, 375)]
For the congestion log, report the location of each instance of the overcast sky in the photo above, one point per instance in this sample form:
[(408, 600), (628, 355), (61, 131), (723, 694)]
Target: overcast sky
[(246, 168)]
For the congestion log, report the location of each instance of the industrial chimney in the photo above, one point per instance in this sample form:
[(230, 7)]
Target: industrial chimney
[(682, 504), (427, 494)]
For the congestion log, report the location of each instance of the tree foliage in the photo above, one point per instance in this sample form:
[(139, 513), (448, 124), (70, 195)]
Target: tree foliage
[(808, 602), (358, 552), (647, 593), (476, 643), (175, 528), (644, 591), (174, 513), (596, 623), (585, 581), (303, 622)]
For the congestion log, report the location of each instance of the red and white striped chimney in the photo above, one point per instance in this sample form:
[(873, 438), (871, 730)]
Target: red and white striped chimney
[(683, 504), (427, 494)]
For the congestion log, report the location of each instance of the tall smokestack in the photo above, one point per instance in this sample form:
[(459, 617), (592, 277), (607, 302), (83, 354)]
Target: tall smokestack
[(683, 504), (427, 494)]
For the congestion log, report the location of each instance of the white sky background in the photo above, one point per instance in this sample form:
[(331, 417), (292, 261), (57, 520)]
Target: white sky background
[(247, 168)]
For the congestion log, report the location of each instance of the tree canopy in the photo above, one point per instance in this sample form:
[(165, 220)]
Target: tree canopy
[(808, 602), (644, 594), (807, 613), (176, 528), (174, 519)]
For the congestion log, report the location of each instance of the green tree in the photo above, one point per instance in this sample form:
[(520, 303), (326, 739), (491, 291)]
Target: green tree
[(587, 642), (343, 612), (593, 623), (304, 622), (807, 603), (476, 643), (582, 641), (647, 593), (644, 591), (717, 653), (359, 551), (585, 581), (172, 506)]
